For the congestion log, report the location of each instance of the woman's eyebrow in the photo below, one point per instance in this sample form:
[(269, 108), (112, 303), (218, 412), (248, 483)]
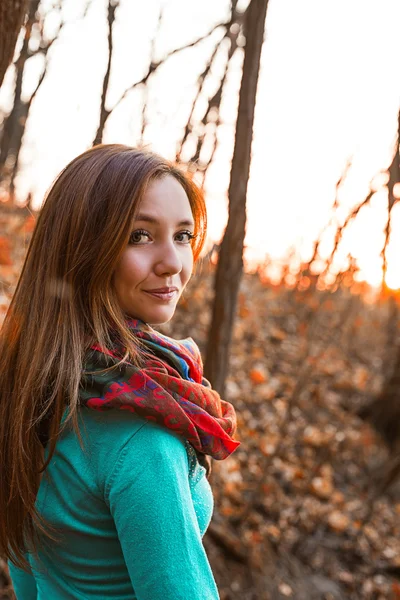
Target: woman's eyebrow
[(149, 219)]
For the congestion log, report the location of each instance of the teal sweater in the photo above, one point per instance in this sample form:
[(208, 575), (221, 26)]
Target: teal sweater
[(130, 509)]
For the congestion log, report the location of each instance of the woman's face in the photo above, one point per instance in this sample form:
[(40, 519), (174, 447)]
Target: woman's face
[(158, 261)]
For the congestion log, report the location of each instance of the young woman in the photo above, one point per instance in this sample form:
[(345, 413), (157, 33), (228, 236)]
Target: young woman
[(106, 426)]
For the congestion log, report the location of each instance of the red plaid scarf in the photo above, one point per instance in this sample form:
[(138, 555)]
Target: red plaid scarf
[(168, 389)]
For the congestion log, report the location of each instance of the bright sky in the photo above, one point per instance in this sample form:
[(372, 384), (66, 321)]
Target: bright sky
[(329, 89)]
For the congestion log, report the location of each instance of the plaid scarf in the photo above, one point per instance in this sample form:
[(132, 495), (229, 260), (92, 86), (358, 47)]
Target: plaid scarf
[(168, 389)]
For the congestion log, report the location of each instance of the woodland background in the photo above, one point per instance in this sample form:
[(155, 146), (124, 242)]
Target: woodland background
[(309, 505)]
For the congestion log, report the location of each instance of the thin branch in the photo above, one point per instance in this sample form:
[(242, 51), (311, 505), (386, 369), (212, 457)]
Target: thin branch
[(213, 102), (216, 103), (339, 234), (201, 80), (112, 6), (306, 269), (145, 88), (155, 65)]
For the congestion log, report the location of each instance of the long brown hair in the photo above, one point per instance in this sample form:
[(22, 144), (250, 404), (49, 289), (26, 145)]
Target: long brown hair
[(63, 302)]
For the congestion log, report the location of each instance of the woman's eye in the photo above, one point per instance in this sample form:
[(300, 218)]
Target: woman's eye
[(137, 236), (185, 237)]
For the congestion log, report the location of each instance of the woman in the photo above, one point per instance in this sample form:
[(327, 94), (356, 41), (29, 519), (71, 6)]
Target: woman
[(103, 421)]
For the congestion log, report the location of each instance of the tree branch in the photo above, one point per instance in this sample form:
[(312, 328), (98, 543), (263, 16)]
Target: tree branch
[(104, 113), (153, 66)]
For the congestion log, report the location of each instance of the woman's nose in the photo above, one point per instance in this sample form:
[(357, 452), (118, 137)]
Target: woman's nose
[(169, 260)]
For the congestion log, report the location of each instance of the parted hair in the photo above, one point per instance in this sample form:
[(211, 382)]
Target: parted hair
[(64, 301)]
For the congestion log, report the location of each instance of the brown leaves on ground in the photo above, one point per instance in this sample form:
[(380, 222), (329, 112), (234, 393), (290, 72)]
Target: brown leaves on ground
[(297, 497)]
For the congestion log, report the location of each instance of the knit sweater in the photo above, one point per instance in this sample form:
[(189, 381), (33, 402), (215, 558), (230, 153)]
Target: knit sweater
[(130, 510)]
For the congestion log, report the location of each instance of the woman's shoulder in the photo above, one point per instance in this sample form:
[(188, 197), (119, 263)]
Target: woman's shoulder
[(107, 433), (114, 441)]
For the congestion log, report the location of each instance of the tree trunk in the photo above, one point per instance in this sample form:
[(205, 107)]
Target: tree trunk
[(12, 13), (394, 180), (383, 412), (104, 113), (13, 126), (230, 261), (14, 123)]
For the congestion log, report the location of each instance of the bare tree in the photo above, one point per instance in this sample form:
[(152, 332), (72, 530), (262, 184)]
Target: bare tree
[(104, 114), (394, 179), (153, 66), (12, 13), (384, 411), (36, 42), (13, 125), (200, 130), (230, 262)]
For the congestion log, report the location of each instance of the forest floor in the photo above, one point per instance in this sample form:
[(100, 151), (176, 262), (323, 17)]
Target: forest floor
[(297, 513)]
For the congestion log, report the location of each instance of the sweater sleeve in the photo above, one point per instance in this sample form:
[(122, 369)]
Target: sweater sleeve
[(24, 583), (150, 500)]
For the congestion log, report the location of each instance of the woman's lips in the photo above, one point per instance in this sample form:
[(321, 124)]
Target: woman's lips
[(165, 295)]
